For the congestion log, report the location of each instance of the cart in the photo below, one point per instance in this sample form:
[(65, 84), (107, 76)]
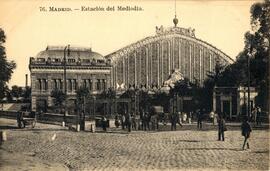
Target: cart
[(26, 119)]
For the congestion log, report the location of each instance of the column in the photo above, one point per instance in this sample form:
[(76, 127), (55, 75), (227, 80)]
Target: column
[(33, 83), (124, 70), (50, 103), (179, 55), (147, 67), (214, 100), (169, 57), (200, 71), (33, 103), (158, 57), (94, 80), (135, 69), (190, 62), (172, 54), (161, 53)]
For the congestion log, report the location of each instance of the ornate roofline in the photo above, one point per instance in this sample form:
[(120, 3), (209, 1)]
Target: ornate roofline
[(71, 48), (188, 34)]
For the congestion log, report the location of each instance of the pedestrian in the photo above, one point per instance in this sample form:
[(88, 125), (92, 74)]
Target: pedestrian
[(221, 128), (246, 129), (116, 121), (179, 119), (128, 122), (146, 119), (123, 121), (189, 117), (104, 123), (254, 115), (259, 116), (199, 119), (133, 122), (212, 117), (174, 119)]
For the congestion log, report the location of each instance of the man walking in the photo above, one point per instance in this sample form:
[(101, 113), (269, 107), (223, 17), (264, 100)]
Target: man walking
[(246, 129), (221, 128)]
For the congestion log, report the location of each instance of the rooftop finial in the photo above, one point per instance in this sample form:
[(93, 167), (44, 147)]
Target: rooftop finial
[(175, 20)]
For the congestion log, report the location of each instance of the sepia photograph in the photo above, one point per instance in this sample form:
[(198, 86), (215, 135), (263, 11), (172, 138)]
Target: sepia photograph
[(134, 85)]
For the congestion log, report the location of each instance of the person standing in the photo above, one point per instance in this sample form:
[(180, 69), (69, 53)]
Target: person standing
[(199, 119), (179, 119), (116, 120), (123, 121), (221, 128), (246, 129), (259, 116), (128, 122), (133, 122), (104, 123), (174, 120)]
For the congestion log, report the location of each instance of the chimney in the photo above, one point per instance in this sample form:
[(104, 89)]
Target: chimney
[(26, 80)]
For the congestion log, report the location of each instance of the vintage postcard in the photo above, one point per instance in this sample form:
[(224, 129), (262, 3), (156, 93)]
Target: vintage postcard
[(134, 85)]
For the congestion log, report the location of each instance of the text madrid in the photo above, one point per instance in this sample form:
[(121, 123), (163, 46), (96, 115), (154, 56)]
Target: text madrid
[(98, 8)]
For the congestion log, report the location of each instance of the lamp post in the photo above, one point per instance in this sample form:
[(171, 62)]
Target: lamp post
[(248, 67), (65, 82)]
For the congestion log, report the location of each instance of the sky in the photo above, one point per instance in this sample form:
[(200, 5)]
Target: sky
[(30, 30)]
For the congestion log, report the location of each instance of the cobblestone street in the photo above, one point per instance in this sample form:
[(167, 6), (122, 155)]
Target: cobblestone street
[(119, 150)]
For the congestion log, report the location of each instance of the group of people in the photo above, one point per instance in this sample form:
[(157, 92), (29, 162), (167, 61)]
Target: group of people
[(256, 115), (145, 121)]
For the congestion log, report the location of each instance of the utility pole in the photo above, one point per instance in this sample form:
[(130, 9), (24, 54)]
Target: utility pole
[(248, 67), (65, 82)]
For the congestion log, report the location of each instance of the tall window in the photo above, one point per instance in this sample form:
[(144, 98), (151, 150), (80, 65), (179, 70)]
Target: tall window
[(90, 85), (74, 84), (98, 84), (69, 85), (39, 84), (55, 84)]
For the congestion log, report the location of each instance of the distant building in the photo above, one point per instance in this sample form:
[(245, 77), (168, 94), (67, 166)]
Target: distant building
[(150, 61), (146, 64), (83, 67), (233, 101)]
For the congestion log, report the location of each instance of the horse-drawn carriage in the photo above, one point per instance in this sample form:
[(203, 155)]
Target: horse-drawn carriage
[(25, 118)]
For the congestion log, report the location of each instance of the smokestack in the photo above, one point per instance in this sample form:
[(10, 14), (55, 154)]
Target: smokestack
[(26, 80)]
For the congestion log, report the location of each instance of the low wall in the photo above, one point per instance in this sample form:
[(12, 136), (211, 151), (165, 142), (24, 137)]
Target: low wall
[(9, 114)]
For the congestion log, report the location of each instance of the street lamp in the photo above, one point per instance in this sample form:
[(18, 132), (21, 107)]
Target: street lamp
[(65, 81)]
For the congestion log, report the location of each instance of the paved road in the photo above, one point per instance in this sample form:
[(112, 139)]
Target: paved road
[(183, 149)]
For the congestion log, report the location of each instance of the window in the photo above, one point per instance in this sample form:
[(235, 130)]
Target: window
[(54, 84), (60, 85), (86, 60), (41, 59), (39, 84), (90, 84), (74, 84), (69, 85), (71, 60), (98, 84), (84, 83), (57, 60)]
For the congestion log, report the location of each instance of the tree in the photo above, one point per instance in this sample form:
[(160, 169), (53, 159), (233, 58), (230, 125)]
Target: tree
[(111, 95), (16, 91), (6, 67), (59, 97), (82, 93), (26, 93), (258, 41)]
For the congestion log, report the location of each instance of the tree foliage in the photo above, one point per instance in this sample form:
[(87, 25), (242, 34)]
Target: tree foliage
[(256, 50), (6, 67), (59, 97)]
